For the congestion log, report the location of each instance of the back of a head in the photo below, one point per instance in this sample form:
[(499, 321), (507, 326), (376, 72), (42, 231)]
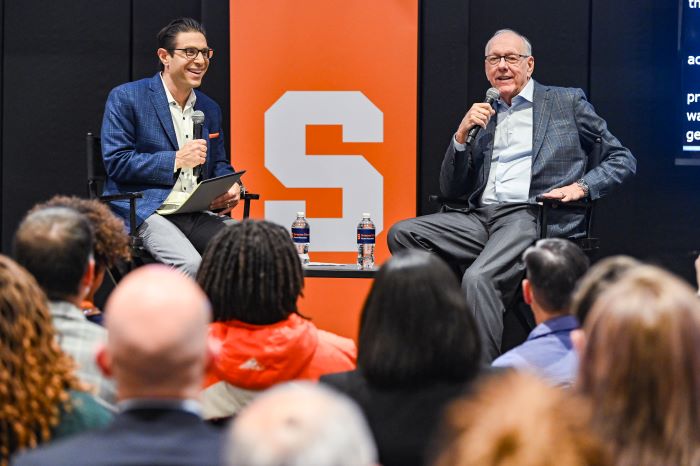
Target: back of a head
[(55, 245), (641, 368), (599, 278), (301, 424), (516, 419), (111, 241), (553, 267), (251, 272), (416, 324), (35, 373), (157, 323)]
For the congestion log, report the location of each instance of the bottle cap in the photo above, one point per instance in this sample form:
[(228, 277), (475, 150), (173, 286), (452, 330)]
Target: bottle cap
[(365, 215), (300, 214)]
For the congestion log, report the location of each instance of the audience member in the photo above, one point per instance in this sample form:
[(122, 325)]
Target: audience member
[(516, 419), (299, 424), (553, 267), (55, 244), (40, 397), (418, 348), (157, 352), (599, 278), (253, 277), (111, 243), (640, 367)]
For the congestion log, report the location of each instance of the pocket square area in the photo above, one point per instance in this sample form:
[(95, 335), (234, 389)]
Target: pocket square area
[(213, 135)]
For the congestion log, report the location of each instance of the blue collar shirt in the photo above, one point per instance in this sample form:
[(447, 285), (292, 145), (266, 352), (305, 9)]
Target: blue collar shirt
[(547, 352)]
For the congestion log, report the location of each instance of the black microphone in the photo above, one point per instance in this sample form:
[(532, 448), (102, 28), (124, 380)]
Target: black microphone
[(492, 95), (197, 127)]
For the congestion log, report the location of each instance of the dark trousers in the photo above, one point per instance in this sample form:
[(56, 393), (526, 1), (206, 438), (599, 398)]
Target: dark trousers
[(486, 244)]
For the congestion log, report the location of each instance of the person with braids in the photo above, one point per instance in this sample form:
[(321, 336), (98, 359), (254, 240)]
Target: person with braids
[(111, 242), (253, 277), (40, 397)]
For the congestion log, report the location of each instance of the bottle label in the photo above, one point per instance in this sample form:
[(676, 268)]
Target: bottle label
[(300, 235), (365, 236)]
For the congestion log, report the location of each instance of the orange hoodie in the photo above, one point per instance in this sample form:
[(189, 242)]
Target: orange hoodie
[(255, 357)]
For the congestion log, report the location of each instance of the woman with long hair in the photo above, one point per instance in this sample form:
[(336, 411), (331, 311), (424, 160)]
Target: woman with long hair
[(418, 348), (40, 397), (640, 367)]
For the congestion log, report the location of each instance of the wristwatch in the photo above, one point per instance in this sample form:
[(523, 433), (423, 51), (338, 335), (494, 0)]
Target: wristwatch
[(584, 186)]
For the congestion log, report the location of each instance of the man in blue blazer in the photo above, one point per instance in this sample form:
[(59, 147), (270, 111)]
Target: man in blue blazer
[(157, 352), (537, 144), (148, 146)]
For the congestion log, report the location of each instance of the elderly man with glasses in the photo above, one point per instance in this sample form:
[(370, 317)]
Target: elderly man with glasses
[(534, 140), (148, 145)]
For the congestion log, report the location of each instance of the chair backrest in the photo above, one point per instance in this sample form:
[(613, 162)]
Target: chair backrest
[(96, 174)]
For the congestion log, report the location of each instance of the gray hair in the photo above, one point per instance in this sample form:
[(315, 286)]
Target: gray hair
[(526, 42), (300, 424)]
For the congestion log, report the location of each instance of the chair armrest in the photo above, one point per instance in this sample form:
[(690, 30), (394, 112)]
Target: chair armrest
[(122, 197), (446, 200), (131, 197), (247, 197), (556, 203)]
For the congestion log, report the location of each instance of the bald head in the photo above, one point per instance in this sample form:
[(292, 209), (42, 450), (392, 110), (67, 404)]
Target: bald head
[(157, 328), (299, 424)]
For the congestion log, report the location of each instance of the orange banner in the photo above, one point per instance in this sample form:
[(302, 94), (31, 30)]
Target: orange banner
[(323, 118)]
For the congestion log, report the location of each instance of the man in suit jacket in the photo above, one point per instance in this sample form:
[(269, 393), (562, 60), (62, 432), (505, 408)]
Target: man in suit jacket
[(148, 145), (157, 352), (537, 144)]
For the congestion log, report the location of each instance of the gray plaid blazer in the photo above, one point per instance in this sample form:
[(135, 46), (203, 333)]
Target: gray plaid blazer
[(565, 128)]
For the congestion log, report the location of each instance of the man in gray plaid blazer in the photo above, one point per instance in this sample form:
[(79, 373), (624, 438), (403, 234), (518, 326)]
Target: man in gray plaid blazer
[(534, 142)]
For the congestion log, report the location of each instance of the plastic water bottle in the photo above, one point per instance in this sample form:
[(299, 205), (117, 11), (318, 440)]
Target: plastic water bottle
[(365, 242), (301, 237)]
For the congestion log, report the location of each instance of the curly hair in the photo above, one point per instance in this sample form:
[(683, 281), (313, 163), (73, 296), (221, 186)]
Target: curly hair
[(35, 374), (251, 272), (111, 240)]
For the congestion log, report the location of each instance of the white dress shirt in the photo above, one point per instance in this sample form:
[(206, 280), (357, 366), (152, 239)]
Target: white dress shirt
[(182, 122), (511, 160)]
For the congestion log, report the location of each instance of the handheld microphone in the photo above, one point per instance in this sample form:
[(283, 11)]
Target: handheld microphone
[(197, 127), (492, 95)]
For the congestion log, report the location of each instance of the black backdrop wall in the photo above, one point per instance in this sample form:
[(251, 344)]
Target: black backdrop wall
[(61, 58)]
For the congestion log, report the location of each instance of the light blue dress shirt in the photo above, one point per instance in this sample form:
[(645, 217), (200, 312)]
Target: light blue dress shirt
[(548, 352), (511, 160)]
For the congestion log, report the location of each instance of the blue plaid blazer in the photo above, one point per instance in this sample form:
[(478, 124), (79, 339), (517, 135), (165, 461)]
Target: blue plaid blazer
[(565, 127), (139, 144)]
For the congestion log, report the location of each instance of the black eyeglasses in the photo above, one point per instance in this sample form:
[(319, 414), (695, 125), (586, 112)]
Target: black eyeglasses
[(192, 52), (511, 59)]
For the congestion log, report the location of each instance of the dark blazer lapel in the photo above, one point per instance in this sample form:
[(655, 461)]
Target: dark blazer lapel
[(487, 137), (484, 144), (540, 117), (160, 104)]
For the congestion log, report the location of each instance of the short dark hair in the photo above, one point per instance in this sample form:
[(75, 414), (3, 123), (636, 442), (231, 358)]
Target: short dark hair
[(251, 272), (167, 37), (416, 324), (111, 240), (553, 268), (599, 278), (55, 245)]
